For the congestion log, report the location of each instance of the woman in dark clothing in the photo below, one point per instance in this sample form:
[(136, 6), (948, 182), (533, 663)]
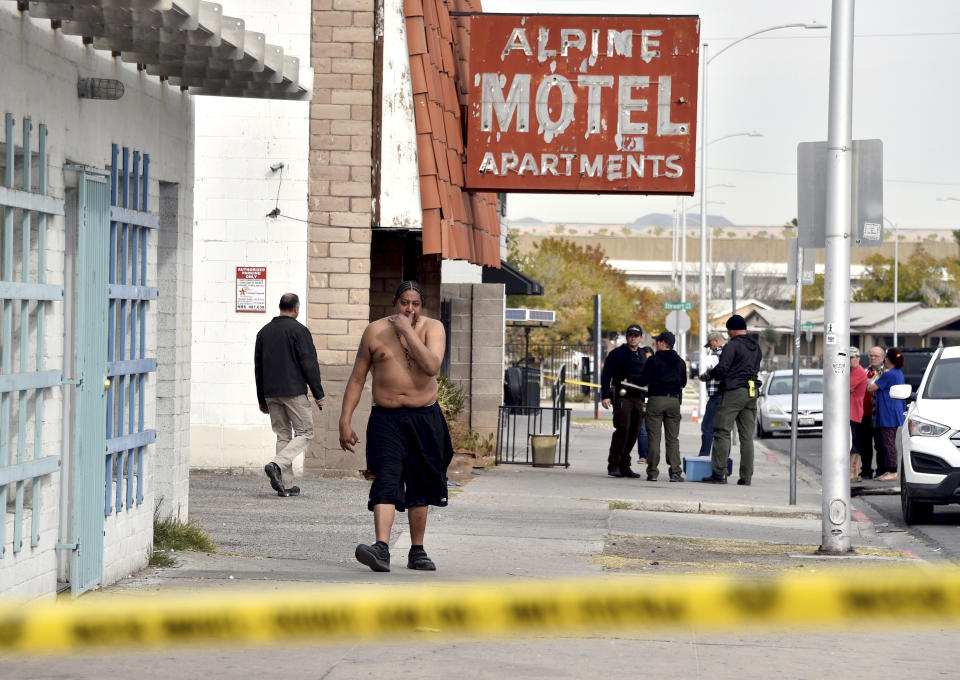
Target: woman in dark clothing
[(887, 411)]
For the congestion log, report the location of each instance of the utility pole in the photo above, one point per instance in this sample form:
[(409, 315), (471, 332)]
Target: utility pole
[(596, 356), (835, 537)]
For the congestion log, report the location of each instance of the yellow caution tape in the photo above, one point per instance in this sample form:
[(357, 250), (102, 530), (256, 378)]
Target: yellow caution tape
[(572, 382), (376, 613)]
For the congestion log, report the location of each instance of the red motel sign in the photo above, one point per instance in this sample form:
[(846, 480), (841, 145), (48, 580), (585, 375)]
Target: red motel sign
[(592, 104)]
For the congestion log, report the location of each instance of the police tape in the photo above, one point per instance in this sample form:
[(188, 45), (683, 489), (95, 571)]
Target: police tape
[(813, 600), (572, 382)]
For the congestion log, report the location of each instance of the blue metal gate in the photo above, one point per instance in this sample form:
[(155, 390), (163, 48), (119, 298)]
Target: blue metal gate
[(93, 195), (32, 205), (127, 363)]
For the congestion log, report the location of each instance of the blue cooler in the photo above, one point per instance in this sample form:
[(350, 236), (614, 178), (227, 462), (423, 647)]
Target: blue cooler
[(696, 468)]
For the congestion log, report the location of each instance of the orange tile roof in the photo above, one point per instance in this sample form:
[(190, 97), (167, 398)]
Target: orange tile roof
[(457, 224)]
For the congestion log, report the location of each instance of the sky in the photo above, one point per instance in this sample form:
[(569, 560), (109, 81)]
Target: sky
[(906, 63)]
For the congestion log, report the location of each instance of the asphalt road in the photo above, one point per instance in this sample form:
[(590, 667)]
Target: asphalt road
[(882, 505)]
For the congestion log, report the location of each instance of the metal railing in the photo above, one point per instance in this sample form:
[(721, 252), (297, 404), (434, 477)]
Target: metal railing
[(549, 359)]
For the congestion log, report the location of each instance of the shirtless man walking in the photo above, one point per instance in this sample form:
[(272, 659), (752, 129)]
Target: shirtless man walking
[(408, 444)]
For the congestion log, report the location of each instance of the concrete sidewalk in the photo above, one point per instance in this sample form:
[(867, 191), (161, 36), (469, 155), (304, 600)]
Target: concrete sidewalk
[(509, 521)]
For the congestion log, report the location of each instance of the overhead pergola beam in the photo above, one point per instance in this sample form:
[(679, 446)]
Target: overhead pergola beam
[(189, 42)]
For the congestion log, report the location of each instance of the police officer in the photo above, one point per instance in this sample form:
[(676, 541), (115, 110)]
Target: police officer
[(619, 385), (666, 374), (737, 372)]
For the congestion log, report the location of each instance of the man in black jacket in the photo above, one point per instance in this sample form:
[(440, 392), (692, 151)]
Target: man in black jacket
[(737, 372), (666, 374), (285, 363), (619, 386)]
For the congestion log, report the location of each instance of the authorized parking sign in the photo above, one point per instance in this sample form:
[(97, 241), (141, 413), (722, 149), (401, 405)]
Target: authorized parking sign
[(251, 289)]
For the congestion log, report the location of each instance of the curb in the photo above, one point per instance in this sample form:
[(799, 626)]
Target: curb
[(707, 508)]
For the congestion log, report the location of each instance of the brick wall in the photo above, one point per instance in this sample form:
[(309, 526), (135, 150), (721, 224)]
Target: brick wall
[(339, 205), (476, 350)]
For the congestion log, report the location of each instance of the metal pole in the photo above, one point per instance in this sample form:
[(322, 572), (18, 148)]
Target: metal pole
[(733, 290), (702, 331), (896, 284), (683, 274), (836, 373), (596, 356), (795, 399)]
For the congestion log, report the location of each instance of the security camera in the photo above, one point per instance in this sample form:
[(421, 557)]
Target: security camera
[(276, 166)]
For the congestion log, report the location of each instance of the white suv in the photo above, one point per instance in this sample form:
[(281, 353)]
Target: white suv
[(928, 444)]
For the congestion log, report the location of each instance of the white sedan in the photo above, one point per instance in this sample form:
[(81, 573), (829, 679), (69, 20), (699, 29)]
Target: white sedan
[(775, 404), (927, 443)]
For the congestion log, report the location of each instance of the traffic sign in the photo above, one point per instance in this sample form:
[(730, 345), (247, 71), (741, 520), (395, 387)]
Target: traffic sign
[(807, 326), (678, 322), (677, 305)]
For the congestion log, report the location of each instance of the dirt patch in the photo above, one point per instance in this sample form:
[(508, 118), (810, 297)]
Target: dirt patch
[(464, 464), (655, 554)]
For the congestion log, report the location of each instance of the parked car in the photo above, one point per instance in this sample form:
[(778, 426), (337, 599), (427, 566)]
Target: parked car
[(929, 459), (775, 404)]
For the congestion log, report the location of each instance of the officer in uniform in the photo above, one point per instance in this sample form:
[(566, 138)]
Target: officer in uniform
[(619, 386)]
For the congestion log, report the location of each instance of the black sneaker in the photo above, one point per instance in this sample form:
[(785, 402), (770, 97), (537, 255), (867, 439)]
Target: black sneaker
[(293, 491), (743, 482), (628, 473), (613, 472), (276, 479), (714, 480), (376, 556), (651, 478), (418, 559), (676, 477)]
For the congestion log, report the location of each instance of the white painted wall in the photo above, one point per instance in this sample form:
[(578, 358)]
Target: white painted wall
[(39, 76), (460, 271), (237, 142)]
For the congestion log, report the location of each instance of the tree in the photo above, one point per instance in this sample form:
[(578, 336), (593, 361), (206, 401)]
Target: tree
[(922, 278), (956, 236), (571, 275)]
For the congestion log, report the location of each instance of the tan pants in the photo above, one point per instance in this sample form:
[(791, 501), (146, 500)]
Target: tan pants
[(292, 421)]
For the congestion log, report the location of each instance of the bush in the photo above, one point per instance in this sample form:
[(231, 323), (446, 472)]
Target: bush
[(451, 399)]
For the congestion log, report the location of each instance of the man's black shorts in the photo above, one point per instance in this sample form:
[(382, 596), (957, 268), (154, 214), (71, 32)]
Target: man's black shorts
[(408, 451)]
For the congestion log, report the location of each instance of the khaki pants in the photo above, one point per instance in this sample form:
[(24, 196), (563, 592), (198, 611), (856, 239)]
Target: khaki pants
[(663, 411), (292, 421), (736, 407)]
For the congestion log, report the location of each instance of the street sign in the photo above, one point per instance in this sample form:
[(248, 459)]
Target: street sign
[(867, 193), (678, 322), (807, 326), (677, 305), (808, 275)]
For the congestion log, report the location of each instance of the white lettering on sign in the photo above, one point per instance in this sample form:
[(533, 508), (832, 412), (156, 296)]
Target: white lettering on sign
[(612, 167), (619, 44), (517, 103)]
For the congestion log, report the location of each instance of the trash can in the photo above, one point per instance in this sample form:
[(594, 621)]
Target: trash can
[(531, 386), (544, 447), (513, 386)]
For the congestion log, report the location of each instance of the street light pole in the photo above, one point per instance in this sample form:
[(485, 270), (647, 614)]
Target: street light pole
[(704, 51), (835, 464), (896, 280)]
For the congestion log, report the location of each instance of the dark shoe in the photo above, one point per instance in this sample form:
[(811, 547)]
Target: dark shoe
[(276, 479), (614, 472), (743, 482), (651, 478), (676, 477), (418, 559), (376, 556), (867, 474), (630, 474), (714, 480), (293, 491)]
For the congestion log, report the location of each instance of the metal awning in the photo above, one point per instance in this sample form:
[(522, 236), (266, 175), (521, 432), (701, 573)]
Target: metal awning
[(515, 281), (188, 42)]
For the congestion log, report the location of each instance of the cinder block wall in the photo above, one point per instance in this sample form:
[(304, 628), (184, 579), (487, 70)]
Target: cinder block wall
[(340, 193), (476, 349)]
